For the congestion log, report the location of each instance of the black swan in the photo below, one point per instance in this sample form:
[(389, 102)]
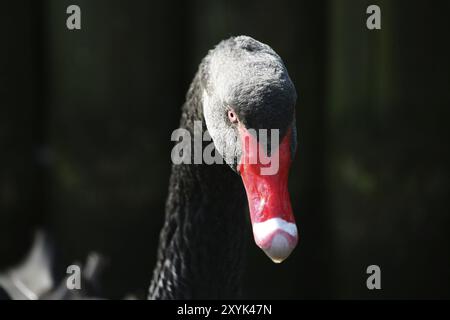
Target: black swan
[(240, 86)]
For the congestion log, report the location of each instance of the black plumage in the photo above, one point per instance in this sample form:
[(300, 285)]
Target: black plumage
[(200, 254)]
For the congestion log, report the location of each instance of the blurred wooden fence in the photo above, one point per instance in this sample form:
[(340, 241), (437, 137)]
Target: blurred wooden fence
[(86, 118)]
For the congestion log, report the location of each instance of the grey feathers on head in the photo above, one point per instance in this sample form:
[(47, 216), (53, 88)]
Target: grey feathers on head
[(249, 77)]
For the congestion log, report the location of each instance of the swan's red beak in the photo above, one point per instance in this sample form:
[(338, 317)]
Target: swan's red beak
[(266, 183)]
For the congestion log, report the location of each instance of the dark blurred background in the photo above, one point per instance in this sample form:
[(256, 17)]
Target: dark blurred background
[(86, 118)]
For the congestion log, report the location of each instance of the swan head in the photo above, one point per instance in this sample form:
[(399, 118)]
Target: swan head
[(249, 109)]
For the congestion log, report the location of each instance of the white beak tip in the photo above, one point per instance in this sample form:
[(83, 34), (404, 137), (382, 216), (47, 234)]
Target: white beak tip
[(279, 249), (276, 237)]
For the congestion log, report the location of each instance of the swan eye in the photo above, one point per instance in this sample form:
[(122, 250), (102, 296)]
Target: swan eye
[(232, 116)]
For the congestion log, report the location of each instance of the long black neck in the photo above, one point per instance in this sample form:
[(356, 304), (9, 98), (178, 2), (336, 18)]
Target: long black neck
[(200, 253)]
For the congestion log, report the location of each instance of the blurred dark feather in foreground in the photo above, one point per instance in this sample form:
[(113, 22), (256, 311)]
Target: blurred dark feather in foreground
[(34, 279)]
